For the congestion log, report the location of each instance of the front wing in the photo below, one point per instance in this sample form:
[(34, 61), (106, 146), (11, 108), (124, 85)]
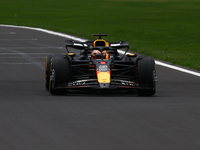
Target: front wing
[(93, 83)]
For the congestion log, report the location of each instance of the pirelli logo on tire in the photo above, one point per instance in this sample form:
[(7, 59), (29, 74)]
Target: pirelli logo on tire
[(52, 76)]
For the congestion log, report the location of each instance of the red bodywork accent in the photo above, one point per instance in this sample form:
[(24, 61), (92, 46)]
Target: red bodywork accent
[(127, 86), (77, 86), (112, 66), (98, 72), (102, 62)]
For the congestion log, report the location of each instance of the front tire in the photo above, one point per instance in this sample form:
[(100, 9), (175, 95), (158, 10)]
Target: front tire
[(47, 71), (47, 68), (59, 74), (146, 74)]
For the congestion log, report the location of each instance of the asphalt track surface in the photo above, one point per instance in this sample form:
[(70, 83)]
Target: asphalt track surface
[(33, 119)]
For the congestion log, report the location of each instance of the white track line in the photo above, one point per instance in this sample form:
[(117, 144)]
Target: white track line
[(177, 68), (83, 40), (47, 31)]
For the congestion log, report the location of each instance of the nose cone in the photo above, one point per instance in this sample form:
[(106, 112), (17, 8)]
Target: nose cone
[(103, 79)]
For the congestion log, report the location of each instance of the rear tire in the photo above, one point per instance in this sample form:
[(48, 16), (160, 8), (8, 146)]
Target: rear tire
[(59, 74), (145, 76)]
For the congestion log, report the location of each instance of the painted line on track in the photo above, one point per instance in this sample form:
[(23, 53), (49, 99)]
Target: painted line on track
[(83, 40), (47, 31)]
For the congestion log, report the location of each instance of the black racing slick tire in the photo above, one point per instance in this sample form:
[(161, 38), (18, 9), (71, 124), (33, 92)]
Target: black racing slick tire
[(47, 71), (59, 74), (146, 75)]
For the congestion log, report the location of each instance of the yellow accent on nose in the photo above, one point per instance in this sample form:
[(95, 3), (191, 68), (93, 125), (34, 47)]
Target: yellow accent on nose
[(103, 77)]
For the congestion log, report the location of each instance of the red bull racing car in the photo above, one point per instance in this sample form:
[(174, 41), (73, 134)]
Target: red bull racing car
[(100, 67)]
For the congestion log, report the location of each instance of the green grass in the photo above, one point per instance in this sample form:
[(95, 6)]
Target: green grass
[(164, 29)]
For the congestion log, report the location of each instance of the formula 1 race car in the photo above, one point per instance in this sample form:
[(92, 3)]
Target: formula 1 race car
[(100, 67)]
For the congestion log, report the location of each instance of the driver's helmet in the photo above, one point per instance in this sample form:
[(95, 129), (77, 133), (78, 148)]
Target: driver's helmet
[(96, 54)]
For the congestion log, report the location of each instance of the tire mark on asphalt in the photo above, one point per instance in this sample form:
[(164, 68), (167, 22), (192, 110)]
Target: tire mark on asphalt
[(27, 57)]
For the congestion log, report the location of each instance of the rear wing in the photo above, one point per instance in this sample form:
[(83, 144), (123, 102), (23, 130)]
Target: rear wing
[(120, 44), (83, 45), (77, 45)]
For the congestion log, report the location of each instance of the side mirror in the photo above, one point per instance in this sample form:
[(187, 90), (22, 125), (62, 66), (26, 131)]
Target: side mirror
[(131, 55), (72, 55)]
